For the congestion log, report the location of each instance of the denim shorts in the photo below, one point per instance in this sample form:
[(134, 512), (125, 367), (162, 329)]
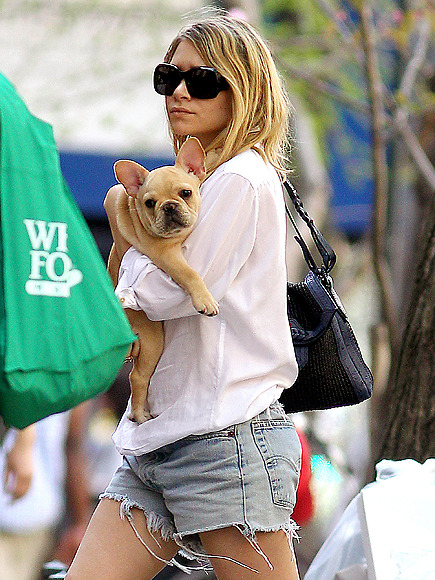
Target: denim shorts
[(244, 476)]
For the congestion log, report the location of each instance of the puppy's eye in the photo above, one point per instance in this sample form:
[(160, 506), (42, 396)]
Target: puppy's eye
[(185, 193), (150, 203)]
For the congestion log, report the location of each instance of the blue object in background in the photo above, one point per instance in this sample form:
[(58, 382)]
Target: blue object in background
[(349, 141), (350, 172), (89, 176)]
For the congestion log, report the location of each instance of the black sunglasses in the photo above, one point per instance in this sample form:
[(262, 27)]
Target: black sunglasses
[(202, 82)]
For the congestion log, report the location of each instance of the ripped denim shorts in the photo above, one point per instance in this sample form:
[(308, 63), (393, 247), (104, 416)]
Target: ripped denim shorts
[(244, 476)]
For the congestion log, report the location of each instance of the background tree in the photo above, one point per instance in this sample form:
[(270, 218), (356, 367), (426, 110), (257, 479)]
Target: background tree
[(409, 403)]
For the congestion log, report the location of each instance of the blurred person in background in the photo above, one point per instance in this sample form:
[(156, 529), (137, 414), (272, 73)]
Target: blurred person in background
[(45, 486)]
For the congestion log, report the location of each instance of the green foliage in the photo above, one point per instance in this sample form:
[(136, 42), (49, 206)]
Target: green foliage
[(318, 46)]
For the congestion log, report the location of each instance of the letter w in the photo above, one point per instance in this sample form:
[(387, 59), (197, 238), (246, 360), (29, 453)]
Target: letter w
[(43, 237)]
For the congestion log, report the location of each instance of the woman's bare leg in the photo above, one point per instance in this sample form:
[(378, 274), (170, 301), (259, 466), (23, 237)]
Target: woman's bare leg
[(111, 550), (231, 543)]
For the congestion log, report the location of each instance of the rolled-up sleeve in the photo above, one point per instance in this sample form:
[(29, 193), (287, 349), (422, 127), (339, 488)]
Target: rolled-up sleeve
[(134, 266), (217, 249)]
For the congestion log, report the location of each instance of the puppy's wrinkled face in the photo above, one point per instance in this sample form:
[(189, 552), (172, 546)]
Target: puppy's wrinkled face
[(168, 201)]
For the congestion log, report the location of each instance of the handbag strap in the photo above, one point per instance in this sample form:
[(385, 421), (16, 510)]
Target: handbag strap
[(325, 250)]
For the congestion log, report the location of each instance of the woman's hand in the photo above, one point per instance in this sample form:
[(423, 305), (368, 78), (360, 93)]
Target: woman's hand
[(134, 351), (135, 348), (134, 318)]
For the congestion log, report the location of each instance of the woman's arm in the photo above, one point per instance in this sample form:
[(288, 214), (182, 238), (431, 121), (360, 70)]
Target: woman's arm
[(217, 248)]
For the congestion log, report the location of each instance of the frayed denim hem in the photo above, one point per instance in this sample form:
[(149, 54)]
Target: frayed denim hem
[(189, 542), (193, 549), (156, 524)]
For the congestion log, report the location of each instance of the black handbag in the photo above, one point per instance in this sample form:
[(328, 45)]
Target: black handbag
[(332, 371)]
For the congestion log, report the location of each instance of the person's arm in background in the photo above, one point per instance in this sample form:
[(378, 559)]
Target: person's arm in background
[(19, 465), (79, 503)]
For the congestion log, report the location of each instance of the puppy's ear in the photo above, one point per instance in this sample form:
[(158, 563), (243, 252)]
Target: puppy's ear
[(191, 158), (130, 174)]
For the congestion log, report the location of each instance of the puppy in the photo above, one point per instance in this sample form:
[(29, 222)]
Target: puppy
[(155, 214)]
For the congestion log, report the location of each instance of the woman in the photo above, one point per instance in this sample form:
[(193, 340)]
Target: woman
[(215, 470)]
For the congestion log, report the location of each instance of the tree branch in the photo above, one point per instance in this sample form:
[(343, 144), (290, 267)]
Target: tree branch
[(380, 173), (416, 150), (417, 60), (401, 115), (399, 119)]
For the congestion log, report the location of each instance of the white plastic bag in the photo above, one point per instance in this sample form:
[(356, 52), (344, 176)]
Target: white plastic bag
[(342, 549), (389, 528)]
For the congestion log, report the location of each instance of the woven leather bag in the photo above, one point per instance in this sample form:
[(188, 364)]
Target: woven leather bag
[(332, 371)]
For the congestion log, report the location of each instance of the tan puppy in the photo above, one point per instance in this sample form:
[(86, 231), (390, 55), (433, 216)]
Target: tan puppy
[(155, 214)]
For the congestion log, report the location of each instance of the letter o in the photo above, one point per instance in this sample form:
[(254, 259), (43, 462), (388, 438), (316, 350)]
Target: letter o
[(51, 262)]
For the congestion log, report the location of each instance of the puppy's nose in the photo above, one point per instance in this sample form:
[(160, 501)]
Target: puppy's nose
[(169, 208)]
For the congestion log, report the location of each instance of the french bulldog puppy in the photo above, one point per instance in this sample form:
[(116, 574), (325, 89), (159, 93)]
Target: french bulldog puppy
[(155, 213)]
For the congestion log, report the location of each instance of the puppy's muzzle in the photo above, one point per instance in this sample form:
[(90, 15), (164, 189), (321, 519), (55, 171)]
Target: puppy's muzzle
[(170, 209), (175, 216), (171, 218)]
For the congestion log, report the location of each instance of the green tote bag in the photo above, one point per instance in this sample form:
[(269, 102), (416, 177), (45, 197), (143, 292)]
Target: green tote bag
[(63, 333)]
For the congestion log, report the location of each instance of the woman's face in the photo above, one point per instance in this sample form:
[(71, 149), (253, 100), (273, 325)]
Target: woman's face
[(201, 118)]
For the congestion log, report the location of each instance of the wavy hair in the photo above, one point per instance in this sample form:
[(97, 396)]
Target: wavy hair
[(260, 105)]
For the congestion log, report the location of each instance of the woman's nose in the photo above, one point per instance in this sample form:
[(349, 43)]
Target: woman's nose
[(181, 91)]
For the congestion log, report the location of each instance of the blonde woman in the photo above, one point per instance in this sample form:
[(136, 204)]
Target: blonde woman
[(215, 471)]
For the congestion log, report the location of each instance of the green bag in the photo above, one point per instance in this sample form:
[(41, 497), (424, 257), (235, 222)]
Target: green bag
[(63, 333)]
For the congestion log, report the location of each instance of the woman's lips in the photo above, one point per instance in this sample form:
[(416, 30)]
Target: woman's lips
[(180, 111)]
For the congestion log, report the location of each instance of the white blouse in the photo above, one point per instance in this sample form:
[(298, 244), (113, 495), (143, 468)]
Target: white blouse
[(215, 372)]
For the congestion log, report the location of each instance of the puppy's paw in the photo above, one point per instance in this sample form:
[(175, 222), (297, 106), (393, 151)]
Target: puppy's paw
[(139, 416), (207, 307)]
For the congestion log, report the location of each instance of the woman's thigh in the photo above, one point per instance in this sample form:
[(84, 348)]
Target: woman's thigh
[(111, 549), (232, 545)]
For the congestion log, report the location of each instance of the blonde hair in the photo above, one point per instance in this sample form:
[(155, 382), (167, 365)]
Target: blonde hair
[(260, 105)]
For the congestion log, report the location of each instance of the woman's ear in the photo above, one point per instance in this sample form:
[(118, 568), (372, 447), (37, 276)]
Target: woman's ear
[(191, 158)]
